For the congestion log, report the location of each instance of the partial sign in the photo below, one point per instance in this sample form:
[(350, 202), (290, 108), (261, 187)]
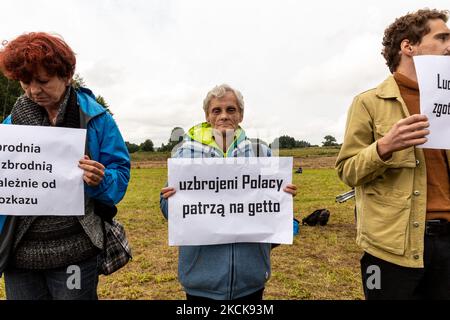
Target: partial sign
[(433, 75)]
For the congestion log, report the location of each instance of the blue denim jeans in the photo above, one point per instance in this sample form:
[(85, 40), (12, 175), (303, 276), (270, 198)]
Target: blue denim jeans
[(77, 282)]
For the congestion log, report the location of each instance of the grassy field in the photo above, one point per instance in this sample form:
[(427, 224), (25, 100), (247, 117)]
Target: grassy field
[(323, 262), (313, 152)]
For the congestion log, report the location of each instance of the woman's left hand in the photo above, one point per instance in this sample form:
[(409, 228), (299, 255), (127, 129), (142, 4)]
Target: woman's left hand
[(93, 171), (291, 188)]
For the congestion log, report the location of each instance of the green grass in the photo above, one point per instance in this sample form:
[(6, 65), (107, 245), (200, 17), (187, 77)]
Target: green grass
[(312, 152), (149, 156), (323, 262)]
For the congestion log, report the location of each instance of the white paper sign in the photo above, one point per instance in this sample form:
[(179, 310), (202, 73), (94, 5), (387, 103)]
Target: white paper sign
[(39, 172), (228, 200), (433, 75)]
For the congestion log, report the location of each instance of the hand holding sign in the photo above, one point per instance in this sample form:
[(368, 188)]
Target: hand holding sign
[(93, 171), (167, 192), (405, 133), (291, 189)]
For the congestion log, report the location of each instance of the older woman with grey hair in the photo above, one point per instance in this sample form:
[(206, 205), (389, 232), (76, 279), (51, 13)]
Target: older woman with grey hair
[(234, 271)]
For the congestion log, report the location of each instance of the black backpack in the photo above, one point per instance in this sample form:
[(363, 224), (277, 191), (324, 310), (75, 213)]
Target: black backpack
[(320, 216)]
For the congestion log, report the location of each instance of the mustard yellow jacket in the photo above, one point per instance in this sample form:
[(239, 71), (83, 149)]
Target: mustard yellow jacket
[(390, 195)]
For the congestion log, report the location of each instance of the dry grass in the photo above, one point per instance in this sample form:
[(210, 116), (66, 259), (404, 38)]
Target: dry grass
[(321, 264)]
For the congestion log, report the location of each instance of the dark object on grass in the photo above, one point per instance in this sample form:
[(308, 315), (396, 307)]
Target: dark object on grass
[(319, 216), (299, 170)]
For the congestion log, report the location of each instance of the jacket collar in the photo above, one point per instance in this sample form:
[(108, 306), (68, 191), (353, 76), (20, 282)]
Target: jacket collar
[(388, 89), (86, 100), (203, 133)]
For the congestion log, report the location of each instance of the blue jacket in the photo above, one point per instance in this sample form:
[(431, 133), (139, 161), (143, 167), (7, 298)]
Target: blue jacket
[(226, 271), (105, 145)]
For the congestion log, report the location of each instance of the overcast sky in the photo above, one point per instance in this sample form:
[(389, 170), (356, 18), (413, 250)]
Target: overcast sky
[(297, 63)]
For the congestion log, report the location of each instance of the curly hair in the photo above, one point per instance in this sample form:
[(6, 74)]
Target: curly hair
[(413, 26), (21, 58)]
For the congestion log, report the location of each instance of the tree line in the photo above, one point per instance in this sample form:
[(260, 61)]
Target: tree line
[(177, 133), (10, 90), (176, 136)]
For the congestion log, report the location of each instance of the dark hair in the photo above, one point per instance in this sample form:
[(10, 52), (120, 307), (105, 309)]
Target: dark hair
[(413, 27), (21, 58)]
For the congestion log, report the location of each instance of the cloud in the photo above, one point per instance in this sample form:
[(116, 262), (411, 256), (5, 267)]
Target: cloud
[(104, 75), (298, 64)]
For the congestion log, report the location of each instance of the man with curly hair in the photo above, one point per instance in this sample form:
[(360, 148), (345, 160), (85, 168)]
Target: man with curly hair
[(402, 192)]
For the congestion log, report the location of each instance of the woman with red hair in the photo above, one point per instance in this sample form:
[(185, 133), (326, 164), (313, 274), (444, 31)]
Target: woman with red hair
[(45, 246)]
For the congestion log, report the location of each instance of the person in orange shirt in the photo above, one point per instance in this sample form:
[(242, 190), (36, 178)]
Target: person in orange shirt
[(402, 192)]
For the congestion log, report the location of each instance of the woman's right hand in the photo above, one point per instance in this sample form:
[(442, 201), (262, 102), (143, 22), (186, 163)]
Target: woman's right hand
[(167, 192)]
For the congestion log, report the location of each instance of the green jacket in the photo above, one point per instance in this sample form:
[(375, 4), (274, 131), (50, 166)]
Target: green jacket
[(391, 196)]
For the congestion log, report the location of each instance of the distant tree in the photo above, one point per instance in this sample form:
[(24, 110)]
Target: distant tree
[(132, 148), (176, 136), (104, 104), (78, 81), (302, 144), (287, 142), (10, 90), (330, 141), (147, 146)]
